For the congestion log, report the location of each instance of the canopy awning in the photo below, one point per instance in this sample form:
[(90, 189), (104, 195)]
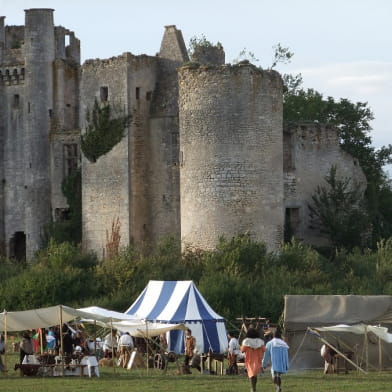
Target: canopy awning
[(54, 315), (359, 329)]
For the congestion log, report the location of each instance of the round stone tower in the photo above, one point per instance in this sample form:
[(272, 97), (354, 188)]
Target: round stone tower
[(39, 57), (231, 143)]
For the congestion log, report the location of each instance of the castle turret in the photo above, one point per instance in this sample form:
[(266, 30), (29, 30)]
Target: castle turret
[(39, 56), (208, 54), (231, 179)]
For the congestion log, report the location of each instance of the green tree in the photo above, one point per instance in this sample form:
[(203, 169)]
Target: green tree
[(352, 121), (106, 125), (338, 211)]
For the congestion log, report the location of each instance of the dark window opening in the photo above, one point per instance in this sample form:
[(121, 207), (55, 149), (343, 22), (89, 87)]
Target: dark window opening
[(71, 158), (104, 93), (50, 113), (62, 214), (291, 223), (28, 107), (148, 95), (16, 100), (137, 92), (18, 246)]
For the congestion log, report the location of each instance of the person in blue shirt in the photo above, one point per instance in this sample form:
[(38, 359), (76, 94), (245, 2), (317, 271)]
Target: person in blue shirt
[(277, 354)]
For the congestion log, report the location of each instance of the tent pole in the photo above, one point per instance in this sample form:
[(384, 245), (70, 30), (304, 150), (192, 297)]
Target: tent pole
[(367, 349), (41, 340), (337, 350), (111, 334), (61, 351), (5, 338), (379, 354), (95, 337), (147, 346)]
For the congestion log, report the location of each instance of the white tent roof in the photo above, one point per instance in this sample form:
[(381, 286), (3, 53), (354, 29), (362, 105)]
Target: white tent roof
[(360, 329), (105, 315), (54, 315), (37, 318)]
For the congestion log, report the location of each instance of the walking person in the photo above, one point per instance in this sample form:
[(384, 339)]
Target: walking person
[(2, 352), (125, 344), (253, 348), (233, 351), (190, 345), (277, 354)]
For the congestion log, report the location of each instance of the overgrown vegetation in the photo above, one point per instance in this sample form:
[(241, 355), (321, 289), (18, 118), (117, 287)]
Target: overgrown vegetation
[(237, 278), (106, 125), (338, 210), (352, 121), (196, 44)]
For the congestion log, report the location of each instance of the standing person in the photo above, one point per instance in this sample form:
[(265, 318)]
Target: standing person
[(328, 354), (253, 348), (233, 351), (190, 345), (277, 353), (125, 345)]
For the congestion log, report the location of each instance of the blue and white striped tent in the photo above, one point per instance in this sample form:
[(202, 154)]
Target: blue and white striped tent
[(181, 302)]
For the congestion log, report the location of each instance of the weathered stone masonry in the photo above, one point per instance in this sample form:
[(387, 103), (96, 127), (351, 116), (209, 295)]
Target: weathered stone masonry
[(205, 154)]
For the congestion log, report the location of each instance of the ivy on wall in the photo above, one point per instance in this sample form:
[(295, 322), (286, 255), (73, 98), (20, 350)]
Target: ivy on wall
[(105, 128)]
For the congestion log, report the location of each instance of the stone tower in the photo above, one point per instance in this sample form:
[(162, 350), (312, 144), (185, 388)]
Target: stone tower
[(39, 56), (231, 154), (38, 92)]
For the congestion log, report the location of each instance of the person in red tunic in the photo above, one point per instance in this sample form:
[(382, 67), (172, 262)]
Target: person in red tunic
[(253, 348)]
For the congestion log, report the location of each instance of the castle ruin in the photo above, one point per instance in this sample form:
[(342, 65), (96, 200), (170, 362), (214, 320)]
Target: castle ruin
[(205, 154)]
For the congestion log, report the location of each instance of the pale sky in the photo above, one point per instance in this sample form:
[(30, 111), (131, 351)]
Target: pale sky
[(342, 48)]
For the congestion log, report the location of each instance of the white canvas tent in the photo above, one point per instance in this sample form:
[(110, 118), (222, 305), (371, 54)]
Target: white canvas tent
[(59, 314), (362, 315), (180, 302)]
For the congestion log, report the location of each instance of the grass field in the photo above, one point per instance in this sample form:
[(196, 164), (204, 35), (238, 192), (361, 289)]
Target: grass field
[(120, 380)]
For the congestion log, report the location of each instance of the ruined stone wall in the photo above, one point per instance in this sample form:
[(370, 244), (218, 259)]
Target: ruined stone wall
[(164, 186), (310, 151), (65, 131), (164, 182), (209, 55), (231, 154), (117, 184), (13, 161), (105, 183), (142, 78)]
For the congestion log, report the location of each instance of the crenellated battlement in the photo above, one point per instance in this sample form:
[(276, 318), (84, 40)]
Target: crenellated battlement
[(10, 76)]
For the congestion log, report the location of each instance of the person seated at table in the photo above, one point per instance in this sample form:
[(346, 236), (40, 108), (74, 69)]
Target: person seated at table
[(25, 347), (110, 344)]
